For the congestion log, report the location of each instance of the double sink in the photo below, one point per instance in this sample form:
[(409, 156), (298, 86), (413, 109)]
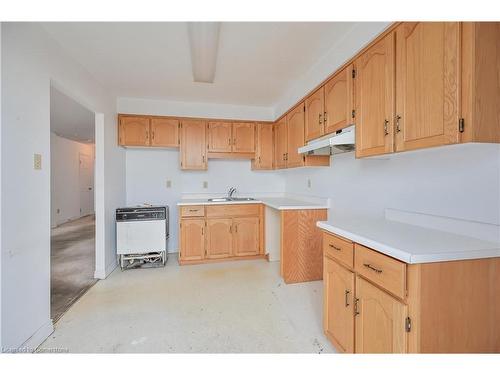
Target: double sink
[(230, 199)]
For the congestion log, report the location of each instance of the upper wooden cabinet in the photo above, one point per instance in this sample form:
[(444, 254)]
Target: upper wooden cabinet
[(374, 101), (193, 145), (148, 131), (315, 110), (295, 136), (164, 132), (339, 101), (133, 131), (330, 108), (480, 89), (427, 84), (280, 143), (220, 138), (243, 137), (264, 153)]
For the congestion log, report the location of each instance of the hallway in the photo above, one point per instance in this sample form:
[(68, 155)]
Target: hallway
[(72, 263)]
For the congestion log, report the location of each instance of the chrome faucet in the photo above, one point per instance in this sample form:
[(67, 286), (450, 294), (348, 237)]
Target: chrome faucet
[(231, 191)]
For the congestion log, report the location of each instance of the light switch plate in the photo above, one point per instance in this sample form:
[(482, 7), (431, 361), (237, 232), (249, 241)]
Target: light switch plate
[(169, 184), (309, 183), (205, 184), (37, 161)]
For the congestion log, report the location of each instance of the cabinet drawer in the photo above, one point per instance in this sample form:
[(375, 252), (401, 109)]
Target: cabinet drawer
[(385, 271), (339, 249), (232, 210), (192, 211)]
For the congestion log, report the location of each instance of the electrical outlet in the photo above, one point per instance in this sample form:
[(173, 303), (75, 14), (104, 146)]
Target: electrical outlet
[(205, 184), (309, 183), (58, 211), (169, 184), (37, 161)]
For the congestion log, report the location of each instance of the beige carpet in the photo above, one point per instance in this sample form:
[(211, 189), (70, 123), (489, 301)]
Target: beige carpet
[(72, 263)]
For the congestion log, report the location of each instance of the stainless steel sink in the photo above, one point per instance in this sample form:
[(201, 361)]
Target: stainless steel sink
[(227, 199)]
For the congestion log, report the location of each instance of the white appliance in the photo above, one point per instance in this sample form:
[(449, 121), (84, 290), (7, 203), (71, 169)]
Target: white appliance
[(141, 235), (342, 141)]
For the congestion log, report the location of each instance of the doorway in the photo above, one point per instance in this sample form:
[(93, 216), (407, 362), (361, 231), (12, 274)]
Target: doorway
[(72, 149)]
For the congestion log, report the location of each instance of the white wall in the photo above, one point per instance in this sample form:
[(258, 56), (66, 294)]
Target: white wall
[(460, 181), (149, 170), (191, 109), (31, 62), (65, 177)]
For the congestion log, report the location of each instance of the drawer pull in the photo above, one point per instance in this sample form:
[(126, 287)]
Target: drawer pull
[(368, 265), (193, 210), (347, 298), (335, 247), (356, 311)]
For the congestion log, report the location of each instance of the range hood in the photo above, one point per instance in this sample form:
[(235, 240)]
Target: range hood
[(339, 142)]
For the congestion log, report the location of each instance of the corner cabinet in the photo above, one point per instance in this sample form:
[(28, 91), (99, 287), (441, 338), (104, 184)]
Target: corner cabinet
[(264, 153), (193, 148)]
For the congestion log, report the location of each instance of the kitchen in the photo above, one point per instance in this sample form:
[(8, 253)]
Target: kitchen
[(369, 192)]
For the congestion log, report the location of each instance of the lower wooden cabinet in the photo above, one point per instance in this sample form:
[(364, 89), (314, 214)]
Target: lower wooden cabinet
[(378, 304), (246, 236), (221, 232), (380, 320), (338, 306), (219, 238), (192, 240)]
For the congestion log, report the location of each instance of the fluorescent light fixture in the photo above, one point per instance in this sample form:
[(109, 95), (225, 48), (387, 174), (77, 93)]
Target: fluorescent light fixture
[(204, 41)]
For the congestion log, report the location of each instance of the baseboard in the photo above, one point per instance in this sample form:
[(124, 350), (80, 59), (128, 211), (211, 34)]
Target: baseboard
[(37, 338), (103, 273)]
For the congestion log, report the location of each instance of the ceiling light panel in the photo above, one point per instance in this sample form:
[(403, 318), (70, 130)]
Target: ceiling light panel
[(204, 42)]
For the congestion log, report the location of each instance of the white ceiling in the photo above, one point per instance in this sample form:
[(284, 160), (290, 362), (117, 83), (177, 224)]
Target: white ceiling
[(256, 61), (70, 119)]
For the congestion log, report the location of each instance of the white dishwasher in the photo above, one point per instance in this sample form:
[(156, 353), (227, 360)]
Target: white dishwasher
[(141, 235)]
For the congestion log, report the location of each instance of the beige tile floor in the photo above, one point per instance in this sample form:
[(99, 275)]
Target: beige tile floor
[(230, 307)]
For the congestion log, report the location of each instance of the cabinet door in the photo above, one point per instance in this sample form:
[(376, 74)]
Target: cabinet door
[(264, 158), (427, 84), (380, 320), (192, 239), (243, 137), (338, 312), (280, 143), (193, 145), (374, 99), (339, 101), (246, 236), (134, 131), (314, 127), (295, 135), (164, 132), (219, 238), (219, 136)]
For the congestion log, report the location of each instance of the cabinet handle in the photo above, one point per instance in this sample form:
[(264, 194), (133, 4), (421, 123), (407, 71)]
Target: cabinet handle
[(324, 117), (203, 158), (386, 127), (369, 266), (153, 136), (230, 229), (234, 142), (193, 210), (236, 228), (335, 247), (229, 141), (319, 118), (356, 311), (347, 298), (398, 127), (202, 231)]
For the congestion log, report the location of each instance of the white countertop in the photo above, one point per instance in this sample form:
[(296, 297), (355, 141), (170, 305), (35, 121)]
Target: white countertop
[(410, 243), (278, 203)]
